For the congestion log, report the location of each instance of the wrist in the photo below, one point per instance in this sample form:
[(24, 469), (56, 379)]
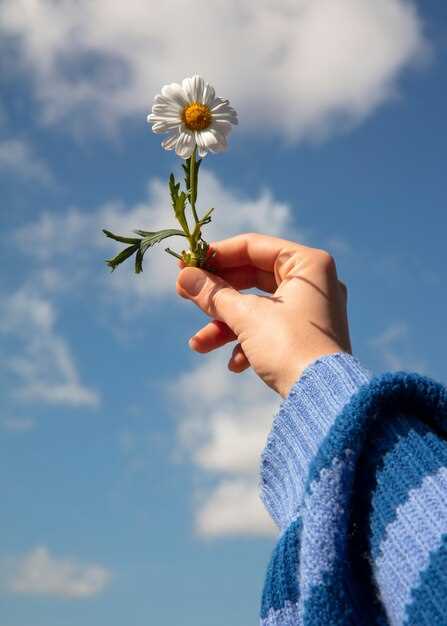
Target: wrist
[(294, 373)]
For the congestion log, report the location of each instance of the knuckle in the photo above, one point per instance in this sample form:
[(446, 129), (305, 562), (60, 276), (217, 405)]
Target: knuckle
[(251, 235), (325, 259)]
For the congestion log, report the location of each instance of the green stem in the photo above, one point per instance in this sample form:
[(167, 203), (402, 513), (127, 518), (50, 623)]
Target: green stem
[(169, 251), (192, 185)]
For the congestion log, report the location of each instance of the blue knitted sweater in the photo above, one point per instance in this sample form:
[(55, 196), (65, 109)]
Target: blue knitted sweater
[(354, 473)]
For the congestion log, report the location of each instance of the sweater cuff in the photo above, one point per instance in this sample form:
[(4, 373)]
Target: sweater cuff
[(303, 420)]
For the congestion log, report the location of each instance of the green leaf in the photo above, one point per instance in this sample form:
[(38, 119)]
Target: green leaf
[(158, 236), (119, 238), (139, 261), (173, 189), (206, 219), (140, 246), (122, 256), (180, 211), (178, 203), (187, 169)]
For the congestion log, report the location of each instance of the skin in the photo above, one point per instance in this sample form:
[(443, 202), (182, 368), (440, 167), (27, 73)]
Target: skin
[(301, 317)]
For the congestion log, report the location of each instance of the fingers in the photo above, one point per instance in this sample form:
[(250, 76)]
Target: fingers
[(251, 249), (238, 361), (292, 263), (214, 296), (344, 290), (212, 336), (247, 277), (215, 335)]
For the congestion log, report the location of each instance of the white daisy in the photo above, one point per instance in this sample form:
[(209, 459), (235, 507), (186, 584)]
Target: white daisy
[(194, 117)]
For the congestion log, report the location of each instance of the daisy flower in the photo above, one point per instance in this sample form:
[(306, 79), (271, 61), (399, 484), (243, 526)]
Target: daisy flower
[(193, 116)]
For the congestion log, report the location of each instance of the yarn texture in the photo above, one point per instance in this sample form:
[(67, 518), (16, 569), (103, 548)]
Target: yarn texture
[(354, 474)]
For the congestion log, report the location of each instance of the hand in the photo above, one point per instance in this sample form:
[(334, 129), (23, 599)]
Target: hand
[(278, 335)]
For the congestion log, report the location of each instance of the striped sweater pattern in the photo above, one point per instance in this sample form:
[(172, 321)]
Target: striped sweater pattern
[(354, 473)]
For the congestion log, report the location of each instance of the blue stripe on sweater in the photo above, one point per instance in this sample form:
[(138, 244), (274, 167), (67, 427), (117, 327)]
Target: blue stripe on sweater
[(324, 548), (401, 441), (409, 541), (428, 604), (281, 585), (387, 394), (308, 548)]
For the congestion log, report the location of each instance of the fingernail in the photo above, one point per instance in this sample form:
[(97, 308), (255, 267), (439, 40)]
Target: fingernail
[(192, 281)]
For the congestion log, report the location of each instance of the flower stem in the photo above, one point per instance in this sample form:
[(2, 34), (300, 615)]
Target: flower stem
[(192, 185)]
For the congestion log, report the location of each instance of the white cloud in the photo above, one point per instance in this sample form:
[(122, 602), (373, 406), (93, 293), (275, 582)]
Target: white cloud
[(223, 429), (74, 240), (393, 348), (42, 364), (39, 572), (234, 508), (297, 67), (18, 157)]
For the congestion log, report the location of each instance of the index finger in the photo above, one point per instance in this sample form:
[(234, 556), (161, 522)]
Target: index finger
[(261, 251)]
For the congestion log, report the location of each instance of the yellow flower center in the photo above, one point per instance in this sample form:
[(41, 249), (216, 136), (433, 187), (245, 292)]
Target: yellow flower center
[(196, 116)]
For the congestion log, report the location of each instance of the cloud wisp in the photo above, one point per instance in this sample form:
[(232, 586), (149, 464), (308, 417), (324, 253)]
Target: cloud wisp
[(73, 243), (392, 346), (305, 68), (41, 363), (18, 157), (223, 429), (39, 572)]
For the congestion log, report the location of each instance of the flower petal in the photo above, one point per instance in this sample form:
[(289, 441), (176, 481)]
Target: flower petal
[(163, 126), (208, 94), (175, 94), (167, 109), (220, 140), (154, 117), (201, 144), (227, 115), (185, 144), (218, 103), (221, 107), (193, 88), (213, 139), (170, 142), (224, 126)]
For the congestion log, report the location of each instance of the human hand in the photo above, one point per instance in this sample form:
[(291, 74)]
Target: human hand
[(278, 335)]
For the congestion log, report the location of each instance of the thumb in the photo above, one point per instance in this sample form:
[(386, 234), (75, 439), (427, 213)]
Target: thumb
[(213, 295)]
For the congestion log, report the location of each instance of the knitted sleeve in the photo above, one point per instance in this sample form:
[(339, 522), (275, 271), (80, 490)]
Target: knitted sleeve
[(354, 473)]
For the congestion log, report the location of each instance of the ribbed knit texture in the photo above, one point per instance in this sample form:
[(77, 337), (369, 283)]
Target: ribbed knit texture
[(354, 472)]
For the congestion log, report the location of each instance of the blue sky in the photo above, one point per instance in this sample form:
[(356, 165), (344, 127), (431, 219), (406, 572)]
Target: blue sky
[(129, 464)]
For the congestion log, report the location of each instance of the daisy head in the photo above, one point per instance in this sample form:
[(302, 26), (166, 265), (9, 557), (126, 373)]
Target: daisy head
[(193, 116)]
